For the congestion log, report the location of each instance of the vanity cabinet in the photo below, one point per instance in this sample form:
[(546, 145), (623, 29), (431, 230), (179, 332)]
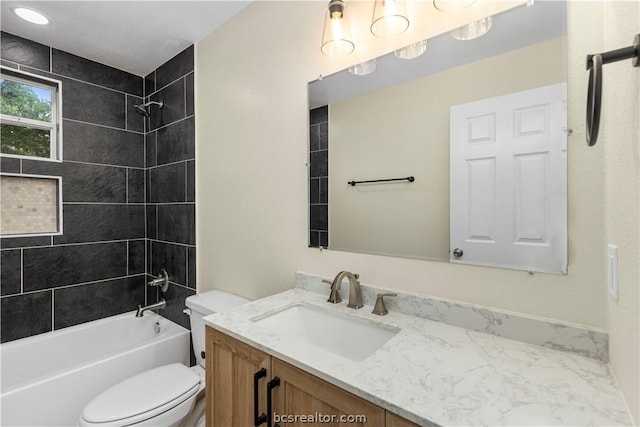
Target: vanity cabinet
[(233, 368), (230, 369), (305, 394)]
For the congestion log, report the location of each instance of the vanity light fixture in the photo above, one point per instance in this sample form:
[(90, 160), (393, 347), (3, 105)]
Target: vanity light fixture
[(389, 18), (452, 5), (473, 30), (336, 37), (412, 51), (31, 15), (363, 68)]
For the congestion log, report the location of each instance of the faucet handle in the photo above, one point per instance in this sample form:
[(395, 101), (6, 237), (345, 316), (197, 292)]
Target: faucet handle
[(380, 308), (334, 296), (162, 281)]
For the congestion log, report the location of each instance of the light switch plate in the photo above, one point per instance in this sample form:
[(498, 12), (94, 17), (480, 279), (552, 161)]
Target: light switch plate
[(612, 278)]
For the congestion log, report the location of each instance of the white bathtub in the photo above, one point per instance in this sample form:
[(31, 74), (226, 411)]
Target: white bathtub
[(47, 379)]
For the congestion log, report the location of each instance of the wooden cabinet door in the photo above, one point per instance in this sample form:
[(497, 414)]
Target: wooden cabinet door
[(394, 420), (230, 369), (302, 394)]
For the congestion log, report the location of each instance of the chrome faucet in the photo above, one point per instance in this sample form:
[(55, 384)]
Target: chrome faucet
[(355, 296), (161, 305)]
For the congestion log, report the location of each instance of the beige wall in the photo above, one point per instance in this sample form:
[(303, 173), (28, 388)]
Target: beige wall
[(620, 138), (404, 130), (252, 178)]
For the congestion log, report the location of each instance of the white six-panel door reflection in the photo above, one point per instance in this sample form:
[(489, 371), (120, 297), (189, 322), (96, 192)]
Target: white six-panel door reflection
[(508, 194)]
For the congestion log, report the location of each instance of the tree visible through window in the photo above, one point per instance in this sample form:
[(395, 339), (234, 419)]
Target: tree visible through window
[(28, 117)]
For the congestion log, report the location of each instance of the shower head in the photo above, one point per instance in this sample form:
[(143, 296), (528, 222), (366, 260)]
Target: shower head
[(141, 109), (144, 110)]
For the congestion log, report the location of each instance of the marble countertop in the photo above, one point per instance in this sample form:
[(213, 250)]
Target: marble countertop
[(434, 373)]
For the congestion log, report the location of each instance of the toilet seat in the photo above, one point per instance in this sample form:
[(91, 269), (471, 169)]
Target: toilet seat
[(142, 397)]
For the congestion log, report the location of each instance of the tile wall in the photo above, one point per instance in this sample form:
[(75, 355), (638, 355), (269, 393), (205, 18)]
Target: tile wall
[(170, 175), (126, 213), (319, 177)]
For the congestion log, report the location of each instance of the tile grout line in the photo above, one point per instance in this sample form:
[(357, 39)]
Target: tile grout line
[(126, 186), (171, 163), (168, 84), (157, 221), (166, 242), (75, 79), (128, 258), (155, 138), (112, 203), (73, 285), (53, 310), (78, 162), (62, 245), (172, 123), (187, 267), (102, 126), (21, 270)]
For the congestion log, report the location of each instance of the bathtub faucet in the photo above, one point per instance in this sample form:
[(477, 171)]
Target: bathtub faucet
[(162, 281), (159, 305)]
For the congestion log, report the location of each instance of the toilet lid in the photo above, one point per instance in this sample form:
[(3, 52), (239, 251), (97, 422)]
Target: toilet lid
[(142, 394)]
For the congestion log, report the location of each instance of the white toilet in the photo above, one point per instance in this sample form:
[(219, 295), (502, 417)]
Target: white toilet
[(163, 396)]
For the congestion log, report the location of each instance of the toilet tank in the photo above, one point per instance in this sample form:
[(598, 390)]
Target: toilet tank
[(202, 305)]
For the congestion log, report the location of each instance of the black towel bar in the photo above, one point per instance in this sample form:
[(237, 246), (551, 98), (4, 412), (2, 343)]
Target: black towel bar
[(354, 183)]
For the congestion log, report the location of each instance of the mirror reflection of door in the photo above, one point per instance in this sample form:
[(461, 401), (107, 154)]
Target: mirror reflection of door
[(508, 181)]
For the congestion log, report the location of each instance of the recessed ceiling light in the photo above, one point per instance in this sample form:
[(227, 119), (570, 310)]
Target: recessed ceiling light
[(31, 15)]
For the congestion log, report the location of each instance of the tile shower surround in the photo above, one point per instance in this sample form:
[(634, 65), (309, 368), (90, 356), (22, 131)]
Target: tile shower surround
[(170, 176), (319, 177), (99, 267)]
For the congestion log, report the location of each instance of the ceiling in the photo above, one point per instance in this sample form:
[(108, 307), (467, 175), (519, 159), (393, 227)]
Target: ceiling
[(135, 36)]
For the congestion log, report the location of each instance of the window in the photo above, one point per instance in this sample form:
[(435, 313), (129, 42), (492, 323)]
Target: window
[(30, 108)]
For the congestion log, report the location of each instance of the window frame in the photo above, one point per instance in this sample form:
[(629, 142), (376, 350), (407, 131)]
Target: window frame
[(55, 127), (60, 205)]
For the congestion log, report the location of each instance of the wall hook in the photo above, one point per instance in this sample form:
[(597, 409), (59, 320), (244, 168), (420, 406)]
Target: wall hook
[(594, 95)]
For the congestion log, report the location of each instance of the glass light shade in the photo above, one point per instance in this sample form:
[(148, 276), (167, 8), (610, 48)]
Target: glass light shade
[(336, 37), (389, 18), (452, 5), (412, 51), (474, 30), (363, 68), (31, 15)]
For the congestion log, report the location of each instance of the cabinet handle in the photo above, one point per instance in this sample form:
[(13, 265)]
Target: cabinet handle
[(275, 382), (258, 419)]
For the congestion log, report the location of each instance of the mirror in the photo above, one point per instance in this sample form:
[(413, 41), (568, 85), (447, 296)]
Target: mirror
[(395, 123)]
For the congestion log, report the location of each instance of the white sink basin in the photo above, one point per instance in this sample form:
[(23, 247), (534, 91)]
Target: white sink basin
[(347, 336)]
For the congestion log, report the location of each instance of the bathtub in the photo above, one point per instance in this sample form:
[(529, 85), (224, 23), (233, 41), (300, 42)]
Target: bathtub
[(46, 380)]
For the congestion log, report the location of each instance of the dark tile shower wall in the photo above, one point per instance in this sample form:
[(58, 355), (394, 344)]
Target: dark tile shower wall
[(97, 268), (319, 177), (170, 175)]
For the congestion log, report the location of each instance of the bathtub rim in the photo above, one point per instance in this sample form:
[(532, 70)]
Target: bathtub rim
[(175, 330)]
